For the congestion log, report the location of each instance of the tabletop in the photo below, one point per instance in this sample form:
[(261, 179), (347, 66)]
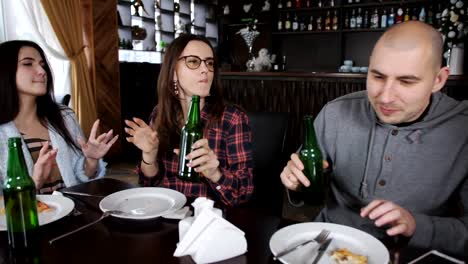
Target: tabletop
[(150, 241)]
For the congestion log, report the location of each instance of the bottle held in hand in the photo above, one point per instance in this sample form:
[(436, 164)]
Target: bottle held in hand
[(191, 132), (311, 157), (19, 191)]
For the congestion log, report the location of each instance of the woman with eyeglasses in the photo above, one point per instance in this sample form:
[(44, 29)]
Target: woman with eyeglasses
[(223, 157), (54, 146)]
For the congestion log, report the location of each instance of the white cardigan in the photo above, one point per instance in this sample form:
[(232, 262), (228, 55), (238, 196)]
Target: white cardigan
[(69, 162)]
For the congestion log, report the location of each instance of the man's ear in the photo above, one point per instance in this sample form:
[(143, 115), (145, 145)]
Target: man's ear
[(440, 79)]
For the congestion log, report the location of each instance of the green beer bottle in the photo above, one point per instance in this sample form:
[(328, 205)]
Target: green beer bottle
[(19, 193), (311, 157), (191, 132)]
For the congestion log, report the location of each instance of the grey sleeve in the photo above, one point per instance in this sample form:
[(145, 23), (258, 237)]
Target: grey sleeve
[(325, 133), (447, 234)]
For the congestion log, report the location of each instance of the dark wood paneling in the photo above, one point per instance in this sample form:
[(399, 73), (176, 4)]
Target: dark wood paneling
[(302, 94)]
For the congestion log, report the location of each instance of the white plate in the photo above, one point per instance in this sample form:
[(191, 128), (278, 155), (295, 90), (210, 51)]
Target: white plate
[(146, 202), (60, 205), (343, 237)]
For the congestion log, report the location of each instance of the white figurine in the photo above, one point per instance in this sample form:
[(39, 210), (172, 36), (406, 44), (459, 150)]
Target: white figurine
[(226, 10), (247, 7), (266, 6), (263, 61)]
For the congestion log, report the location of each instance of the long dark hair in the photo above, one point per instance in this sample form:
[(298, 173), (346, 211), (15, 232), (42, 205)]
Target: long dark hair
[(169, 110), (48, 111)]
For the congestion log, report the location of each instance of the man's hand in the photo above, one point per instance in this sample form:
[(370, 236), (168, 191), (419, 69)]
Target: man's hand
[(388, 213), (292, 175)]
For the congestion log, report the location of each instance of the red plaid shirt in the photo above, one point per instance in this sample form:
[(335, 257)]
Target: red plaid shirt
[(230, 139)]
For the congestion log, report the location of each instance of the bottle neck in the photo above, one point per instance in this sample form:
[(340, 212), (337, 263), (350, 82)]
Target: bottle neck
[(310, 140), (16, 164), (194, 111)]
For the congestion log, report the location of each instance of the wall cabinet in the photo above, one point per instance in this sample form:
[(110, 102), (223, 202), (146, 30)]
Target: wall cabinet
[(319, 38), (146, 27)]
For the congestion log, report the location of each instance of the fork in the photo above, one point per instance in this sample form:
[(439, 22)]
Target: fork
[(104, 215), (320, 239)]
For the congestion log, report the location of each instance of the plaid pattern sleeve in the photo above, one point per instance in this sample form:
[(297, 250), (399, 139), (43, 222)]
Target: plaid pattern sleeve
[(236, 163), (230, 139)]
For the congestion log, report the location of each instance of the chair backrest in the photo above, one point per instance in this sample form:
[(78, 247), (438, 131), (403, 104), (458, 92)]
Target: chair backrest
[(66, 99), (268, 137)]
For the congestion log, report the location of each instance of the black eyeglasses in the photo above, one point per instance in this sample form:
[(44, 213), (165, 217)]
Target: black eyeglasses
[(193, 62)]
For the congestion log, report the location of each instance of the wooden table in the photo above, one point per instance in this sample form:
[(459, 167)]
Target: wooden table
[(116, 241)]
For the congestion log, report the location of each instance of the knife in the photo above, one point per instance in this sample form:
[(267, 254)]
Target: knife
[(322, 250), (81, 194)]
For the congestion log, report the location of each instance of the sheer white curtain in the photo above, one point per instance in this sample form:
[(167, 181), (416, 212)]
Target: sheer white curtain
[(26, 19), (2, 23)]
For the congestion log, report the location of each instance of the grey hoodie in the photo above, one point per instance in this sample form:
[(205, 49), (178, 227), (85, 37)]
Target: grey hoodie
[(418, 167)]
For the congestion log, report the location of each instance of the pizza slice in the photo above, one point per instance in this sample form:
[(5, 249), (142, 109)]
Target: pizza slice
[(344, 256), (41, 207)]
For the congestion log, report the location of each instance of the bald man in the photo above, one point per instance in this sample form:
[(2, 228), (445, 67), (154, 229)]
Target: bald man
[(398, 151)]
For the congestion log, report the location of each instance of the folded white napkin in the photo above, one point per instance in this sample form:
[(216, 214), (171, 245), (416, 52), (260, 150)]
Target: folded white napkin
[(179, 214), (208, 237)]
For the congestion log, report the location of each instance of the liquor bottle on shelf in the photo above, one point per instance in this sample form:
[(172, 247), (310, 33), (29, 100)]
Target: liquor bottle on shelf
[(414, 15), (399, 16), (295, 23), (375, 19), (391, 18), (280, 4), (350, 1), (319, 23), (438, 16), (307, 3), (357, 1), (280, 23), (310, 25), (176, 7), (332, 3), (359, 19), (365, 19), (283, 63), (302, 24), (298, 3), (288, 3), (346, 21), (407, 16), (352, 20), (335, 20), (287, 23), (319, 3), (328, 21), (430, 16), (422, 15), (383, 19)]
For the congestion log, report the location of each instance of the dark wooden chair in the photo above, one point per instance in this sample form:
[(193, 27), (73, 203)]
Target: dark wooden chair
[(66, 99), (268, 137)]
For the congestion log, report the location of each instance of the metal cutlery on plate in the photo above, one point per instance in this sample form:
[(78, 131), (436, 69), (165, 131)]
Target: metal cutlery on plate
[(320, 239), (104, 215)]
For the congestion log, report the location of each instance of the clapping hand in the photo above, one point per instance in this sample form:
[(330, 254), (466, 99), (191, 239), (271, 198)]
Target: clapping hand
[(43, 165), (142, 135), (400, 220), (97, 147)]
